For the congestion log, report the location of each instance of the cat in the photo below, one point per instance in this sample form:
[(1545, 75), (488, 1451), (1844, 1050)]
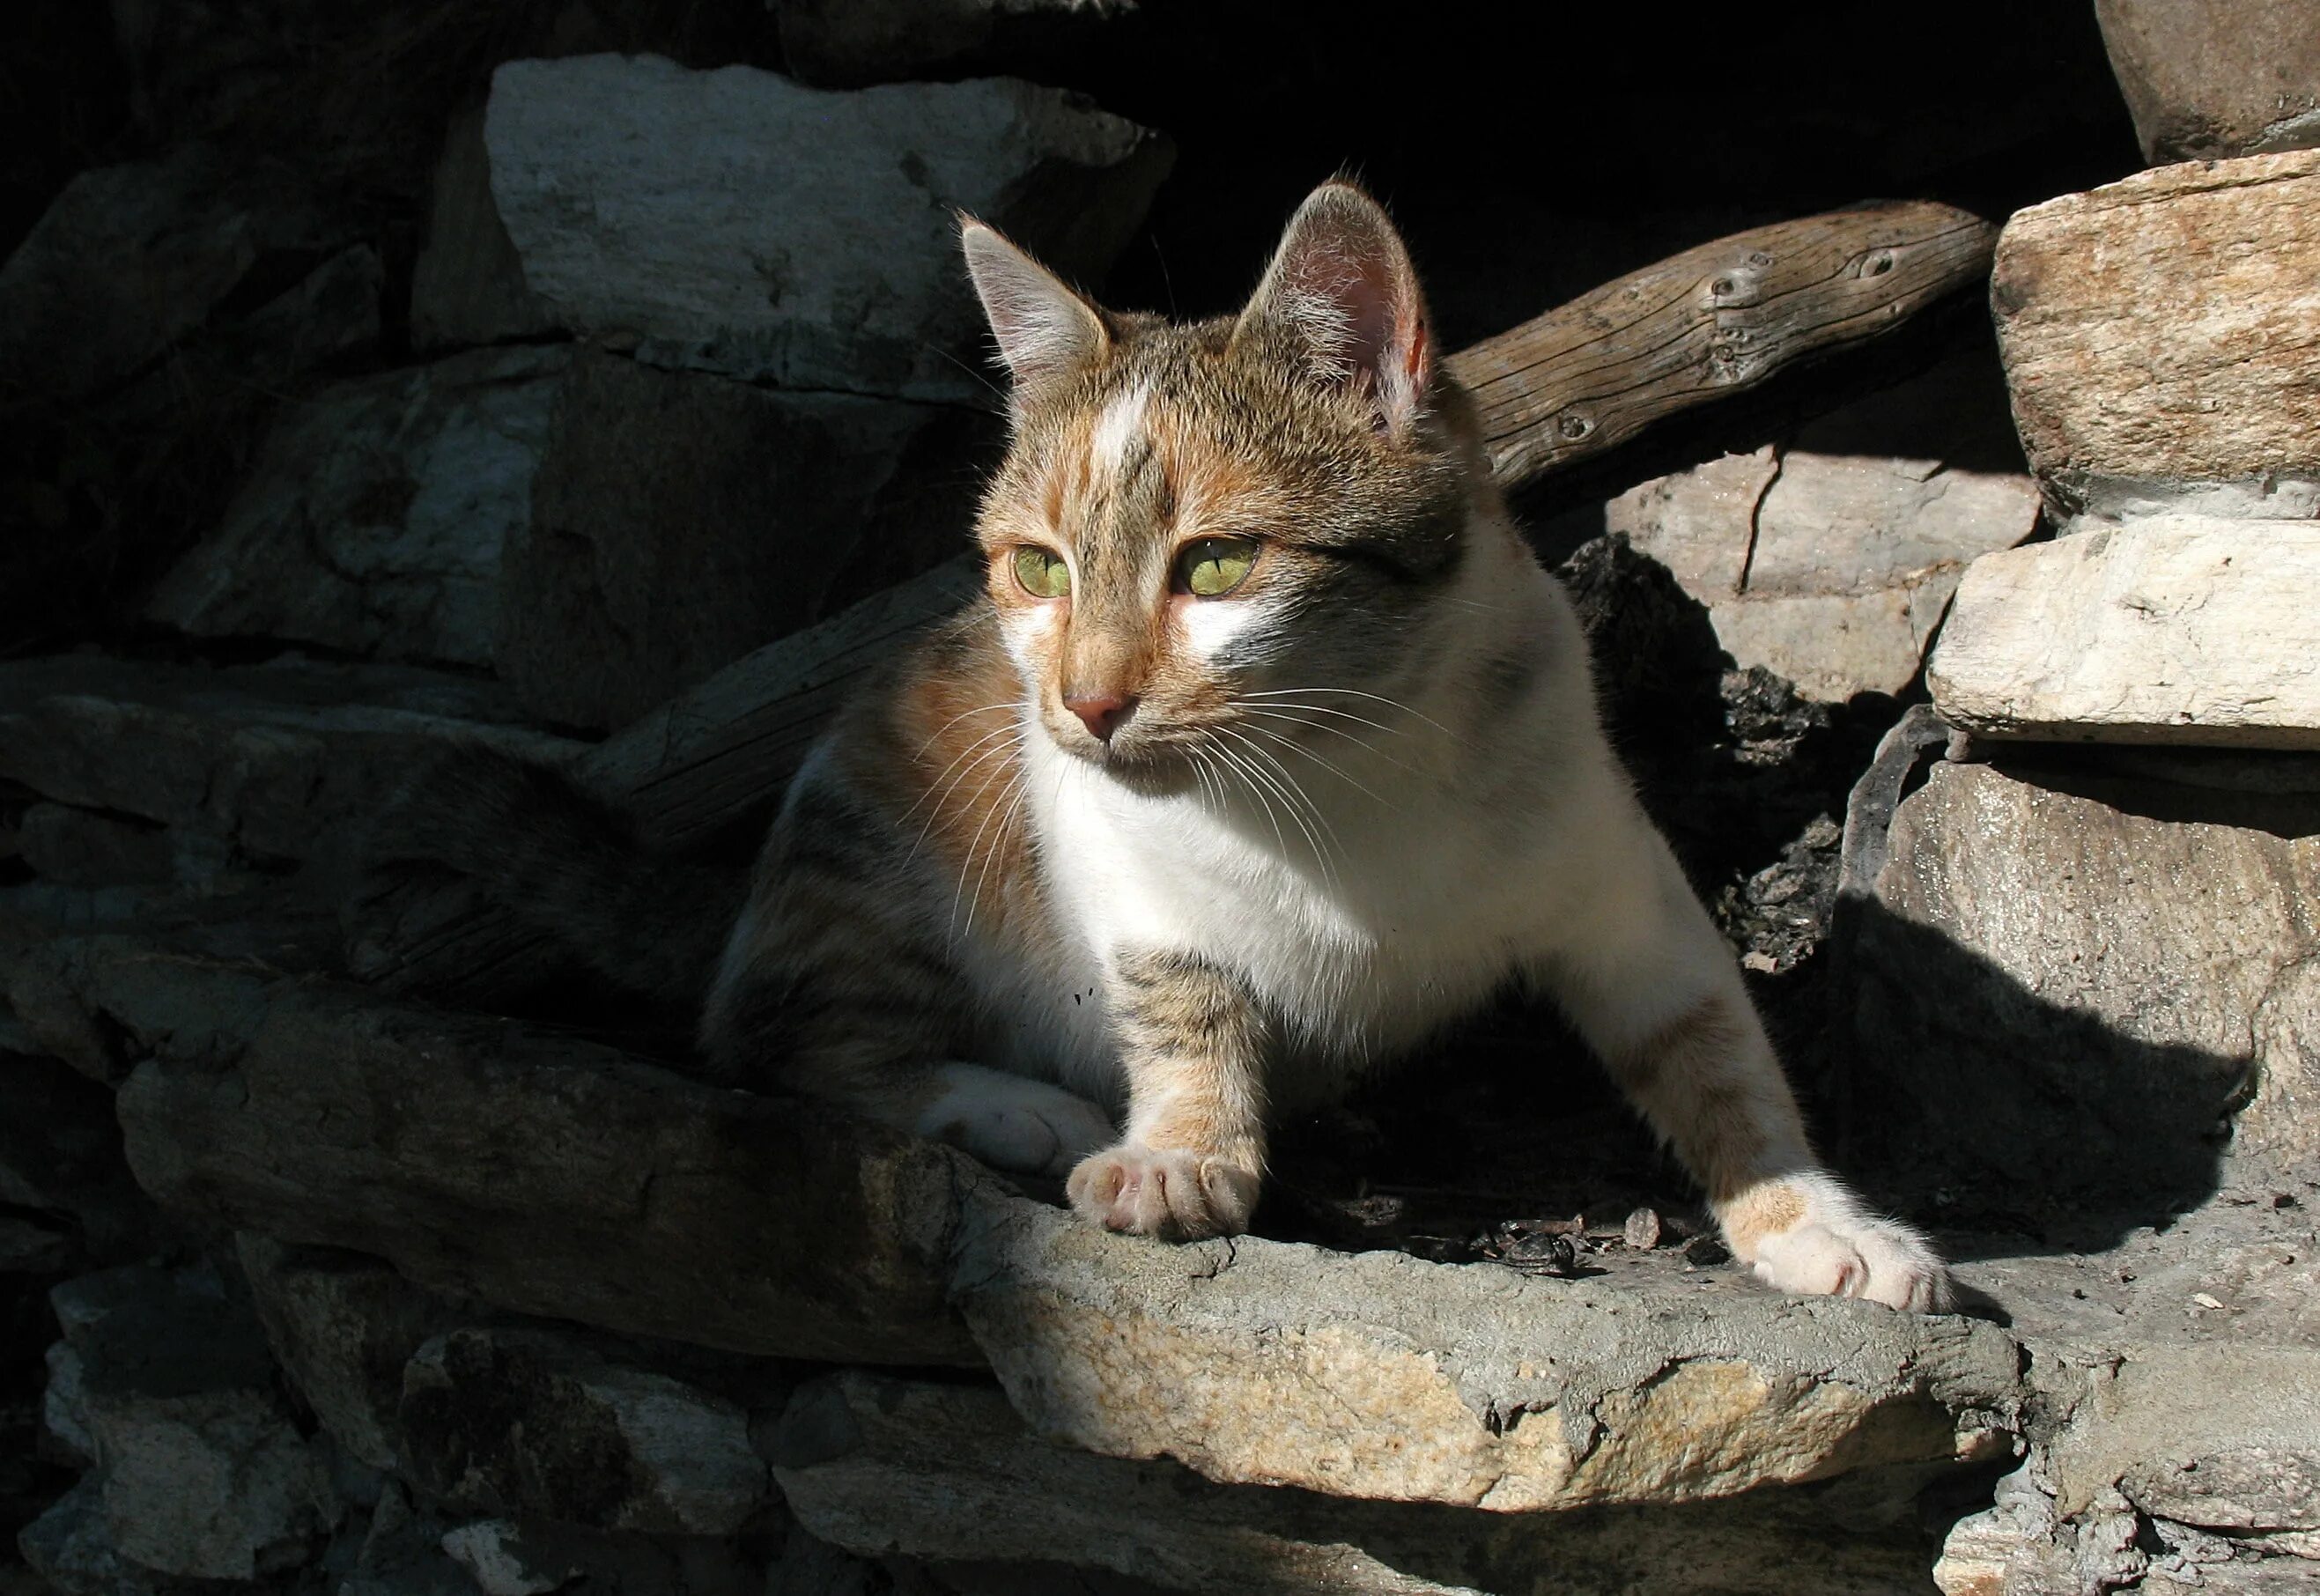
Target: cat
[(1268, 751)]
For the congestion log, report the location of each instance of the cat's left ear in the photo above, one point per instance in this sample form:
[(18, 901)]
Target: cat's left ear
[(1342, 288), (1043, 328)]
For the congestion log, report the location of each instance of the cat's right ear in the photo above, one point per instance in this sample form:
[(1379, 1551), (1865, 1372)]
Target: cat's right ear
[(1043, 328)]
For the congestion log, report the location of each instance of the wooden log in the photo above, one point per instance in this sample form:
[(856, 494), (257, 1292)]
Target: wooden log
[(1715, 320), (1567, 386)]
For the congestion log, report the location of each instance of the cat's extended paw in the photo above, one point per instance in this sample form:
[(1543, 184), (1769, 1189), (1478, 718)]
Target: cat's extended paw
[(1012, 1122), (1857, 1255), (1164, 1192)]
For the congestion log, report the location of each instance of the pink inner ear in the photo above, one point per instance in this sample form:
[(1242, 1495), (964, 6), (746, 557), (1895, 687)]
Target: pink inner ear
[(1356, 304)]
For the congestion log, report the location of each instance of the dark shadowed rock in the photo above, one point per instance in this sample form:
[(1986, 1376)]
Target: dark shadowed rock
[(738, 222), (2222, 79)]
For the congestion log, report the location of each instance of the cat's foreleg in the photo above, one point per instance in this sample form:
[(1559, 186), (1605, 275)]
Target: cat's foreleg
[(1191, 1042), (1654, 990)]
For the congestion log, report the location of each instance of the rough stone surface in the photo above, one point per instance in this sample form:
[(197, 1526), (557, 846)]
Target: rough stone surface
[(2176, 630), (528, 1424), (2062, 962), (60, 1159), (2166, 329), (1830, 558), (343, 1327), (680, 521), (130, 260), (1831, 570), (1380, 1376), (200, 1471), (276, 762), (739, 223), (857, 41), (948, 1473), (540, 1173), (2224, 78), (373, 519)]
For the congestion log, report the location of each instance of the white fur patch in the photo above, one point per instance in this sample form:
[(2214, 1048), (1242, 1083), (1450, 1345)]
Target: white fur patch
[(1118, 428), (1010, 1122), (1210, 626)]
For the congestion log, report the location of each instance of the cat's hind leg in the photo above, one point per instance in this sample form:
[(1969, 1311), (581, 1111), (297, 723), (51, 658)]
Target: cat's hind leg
[(1010, 1121), (1656, 991)]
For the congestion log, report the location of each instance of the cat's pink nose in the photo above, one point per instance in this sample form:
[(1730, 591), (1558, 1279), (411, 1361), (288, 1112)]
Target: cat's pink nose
[(1102, 713)]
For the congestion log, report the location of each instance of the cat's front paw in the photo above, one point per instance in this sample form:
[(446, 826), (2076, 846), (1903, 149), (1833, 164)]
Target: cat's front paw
[(1835, 1249), (1164, 1191)]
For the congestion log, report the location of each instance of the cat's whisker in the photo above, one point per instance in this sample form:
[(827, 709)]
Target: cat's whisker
[(1287, 741), (1294, 799), (1011, 745), (963, 753), (1246, 703), (1275, 713), (998, 845), (1248, 783), (981, 708), (1357, 693), (1015, 781)]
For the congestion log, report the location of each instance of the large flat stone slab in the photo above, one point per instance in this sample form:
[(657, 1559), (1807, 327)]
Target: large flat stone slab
[(1380, 1376), (737, 222), (948, 1473), (2217, 79), (2166, 329), (2176, 630)]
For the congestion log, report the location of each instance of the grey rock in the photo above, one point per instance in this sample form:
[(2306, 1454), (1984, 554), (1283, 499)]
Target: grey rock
[(131, 260), (846, 43), (60, 1159), (64, 1410), (373, 519), (71, 1547), (344, 1326), (32, 1247), (1381, 1375), (276, 762), (540, 1173), (2177, 629), (507, 1558), (1823, 560), (526, 1424), (84, 848), (948, 1472), (2061, 962), (738, 222), (200, 1470), (2228, 77), (681, 521)]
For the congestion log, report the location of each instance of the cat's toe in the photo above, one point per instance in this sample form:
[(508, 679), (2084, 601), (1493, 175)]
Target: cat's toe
[(1164, 1192), (1872, 1259)]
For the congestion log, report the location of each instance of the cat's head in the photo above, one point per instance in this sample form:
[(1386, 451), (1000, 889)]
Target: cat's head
[(1200, 530)]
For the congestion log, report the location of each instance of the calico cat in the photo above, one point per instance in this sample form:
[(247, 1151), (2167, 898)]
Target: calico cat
[(1268, 751)]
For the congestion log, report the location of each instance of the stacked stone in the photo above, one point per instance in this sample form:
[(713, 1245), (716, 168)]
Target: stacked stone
[(2085, 944)]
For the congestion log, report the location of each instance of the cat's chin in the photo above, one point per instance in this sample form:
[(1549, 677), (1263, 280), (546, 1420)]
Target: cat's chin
[(1148, 772)]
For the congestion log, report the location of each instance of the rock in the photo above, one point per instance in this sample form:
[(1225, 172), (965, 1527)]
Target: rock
[(2157, 333), (1832, 568), (528, 1424), (344, 1327), (948, 1472), (740, 223), (2174, 630), (2205, 82), (64, 1410), (71, 1547), (1379, 1375), (539, 1171), (2061, 962), (131, 260), (681, 521), (373, 519), (84, 848), (32, 1247), (848, 42), (201, 1472), (60, 1159), (1642, 1229), (505, 1558), (274, 764)]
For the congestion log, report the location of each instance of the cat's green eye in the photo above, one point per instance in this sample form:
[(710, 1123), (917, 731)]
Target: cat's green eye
[(1042, 574), (1213, 567)]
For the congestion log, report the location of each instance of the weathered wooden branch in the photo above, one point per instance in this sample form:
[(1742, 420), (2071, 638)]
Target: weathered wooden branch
[(1564, 388), (1715, 320)]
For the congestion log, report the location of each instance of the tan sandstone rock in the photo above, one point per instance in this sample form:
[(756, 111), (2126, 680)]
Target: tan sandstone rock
[(2175, 629), (2167, 328)]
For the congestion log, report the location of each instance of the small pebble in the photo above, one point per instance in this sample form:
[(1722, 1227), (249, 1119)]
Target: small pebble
[(1704, 1250), (1540, 1254), (2205, 1301), (1762, 964), (1642, 1231)]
